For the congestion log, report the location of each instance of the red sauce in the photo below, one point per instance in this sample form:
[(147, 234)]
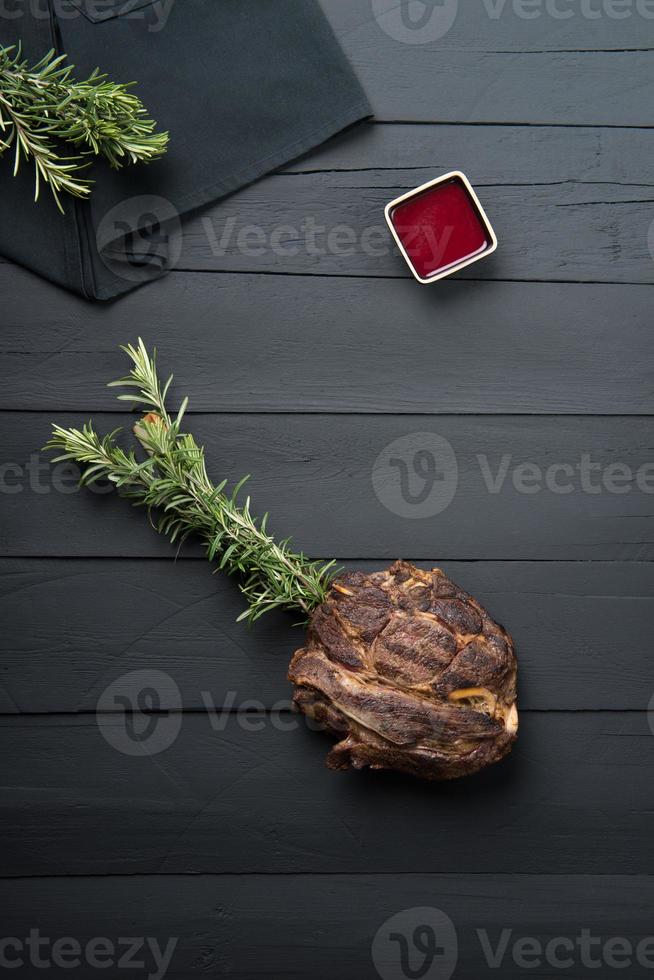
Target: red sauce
[(440, 228)]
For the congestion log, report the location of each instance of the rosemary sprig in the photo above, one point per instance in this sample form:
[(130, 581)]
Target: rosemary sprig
[(44, 105), (173, 481)]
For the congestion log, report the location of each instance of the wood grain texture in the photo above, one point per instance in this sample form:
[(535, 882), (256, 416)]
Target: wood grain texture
[(308, 467), (578, 629), (494, 155), (323, 926), (504, 69), (376, 345), (333, 224), (575, 797)]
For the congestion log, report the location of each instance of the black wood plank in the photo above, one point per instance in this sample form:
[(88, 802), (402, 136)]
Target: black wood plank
[(254, 795), (502, 69), (271, 343), (309, 466), (323, 926), (587, 88), (578, 629), (570, 231)]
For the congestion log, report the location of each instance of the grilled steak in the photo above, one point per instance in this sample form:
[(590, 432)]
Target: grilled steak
[(410, 672)]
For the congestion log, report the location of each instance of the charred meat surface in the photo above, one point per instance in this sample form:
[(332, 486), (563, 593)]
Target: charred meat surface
[(410, 672)]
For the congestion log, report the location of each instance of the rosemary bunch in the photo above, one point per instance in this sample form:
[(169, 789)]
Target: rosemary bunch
[(42, 106), (173, 481)]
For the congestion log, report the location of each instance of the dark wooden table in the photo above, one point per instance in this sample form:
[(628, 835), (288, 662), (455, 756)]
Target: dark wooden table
[(303, 362)]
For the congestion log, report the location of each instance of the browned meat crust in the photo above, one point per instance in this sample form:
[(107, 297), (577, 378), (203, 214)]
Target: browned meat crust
[(410, 672)]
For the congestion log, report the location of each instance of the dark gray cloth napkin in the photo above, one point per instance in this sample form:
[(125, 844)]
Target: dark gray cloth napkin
[(243, 86)]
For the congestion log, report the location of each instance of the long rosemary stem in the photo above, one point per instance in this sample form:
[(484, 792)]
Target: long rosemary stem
[(173, 482)]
